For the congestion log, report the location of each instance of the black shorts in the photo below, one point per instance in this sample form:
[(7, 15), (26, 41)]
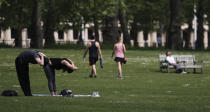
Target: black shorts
[(93, 60), (118, 59)]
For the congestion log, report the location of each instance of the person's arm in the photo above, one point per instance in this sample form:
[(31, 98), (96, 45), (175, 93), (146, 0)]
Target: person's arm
[(113, 51), (71, 66), (71, 62), (86, 50), (124, 49), (99, 50), (40, 61)]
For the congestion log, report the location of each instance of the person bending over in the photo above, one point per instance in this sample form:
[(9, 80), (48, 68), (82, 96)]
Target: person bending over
[(22, 67), (57, 64)]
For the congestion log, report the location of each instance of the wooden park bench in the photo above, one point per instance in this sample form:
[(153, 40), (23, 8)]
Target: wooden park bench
[(186, 62)]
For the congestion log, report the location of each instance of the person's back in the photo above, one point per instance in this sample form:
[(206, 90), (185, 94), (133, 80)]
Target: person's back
[(119, 51), (29, 56), (93, 50)]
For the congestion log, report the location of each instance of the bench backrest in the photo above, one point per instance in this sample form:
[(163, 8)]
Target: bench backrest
[(189, 59)]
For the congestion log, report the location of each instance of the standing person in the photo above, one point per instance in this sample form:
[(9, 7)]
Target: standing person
[(22, 67), (94, 50), (57, 64), (119, 51)]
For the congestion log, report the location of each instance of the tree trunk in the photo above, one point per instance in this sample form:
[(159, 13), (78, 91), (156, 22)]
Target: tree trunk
[(209, 39), (110, 32), (134, 32), (50, 24), (96, 28), (174, 40), (36, 30), (18, 37), (188, 35), (95, 20), (200, 31), (124, 26)]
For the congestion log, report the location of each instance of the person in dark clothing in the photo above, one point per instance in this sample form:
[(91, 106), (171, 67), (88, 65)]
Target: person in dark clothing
[(57, 64), (94, 50), (22, 67)]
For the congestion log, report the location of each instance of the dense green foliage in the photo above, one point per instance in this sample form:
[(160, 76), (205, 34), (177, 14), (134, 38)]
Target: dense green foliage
[(145, 15), (143, 89)]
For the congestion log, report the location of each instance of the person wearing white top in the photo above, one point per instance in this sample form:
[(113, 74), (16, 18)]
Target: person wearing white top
[(170, 59)]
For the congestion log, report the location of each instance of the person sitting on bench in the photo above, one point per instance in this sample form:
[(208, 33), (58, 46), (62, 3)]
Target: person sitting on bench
[(170, 59)]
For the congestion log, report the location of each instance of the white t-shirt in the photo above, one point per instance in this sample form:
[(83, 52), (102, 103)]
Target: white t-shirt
[(170, 59)]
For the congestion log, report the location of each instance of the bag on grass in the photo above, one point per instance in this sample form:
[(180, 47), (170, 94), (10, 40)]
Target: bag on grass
[(9, 93), (66, 92)]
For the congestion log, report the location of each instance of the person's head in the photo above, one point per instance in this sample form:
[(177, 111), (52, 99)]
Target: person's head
[(168, 53), (66, 68), (92, 37)]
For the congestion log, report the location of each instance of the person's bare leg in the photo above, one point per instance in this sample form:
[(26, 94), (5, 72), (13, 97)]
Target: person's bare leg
[(53, 93), (119, 69), (94, 70)]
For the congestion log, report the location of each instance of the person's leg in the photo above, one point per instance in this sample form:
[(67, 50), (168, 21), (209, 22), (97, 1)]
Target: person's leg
[(119, 66), (23, 77), (94, 70), (53, 81), (178, 68), (49, 74)]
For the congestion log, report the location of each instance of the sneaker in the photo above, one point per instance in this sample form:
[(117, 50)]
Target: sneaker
[(183, 72), (95, 76), (90, 75)]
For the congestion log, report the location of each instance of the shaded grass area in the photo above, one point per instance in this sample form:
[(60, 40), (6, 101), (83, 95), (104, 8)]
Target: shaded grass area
[(144, 88)]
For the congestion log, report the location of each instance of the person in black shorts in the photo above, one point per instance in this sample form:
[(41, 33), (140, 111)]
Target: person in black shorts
[(22, 67), (57, 64), (94, 50)]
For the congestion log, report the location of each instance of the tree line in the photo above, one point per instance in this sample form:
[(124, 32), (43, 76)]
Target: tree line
[(43, 17)]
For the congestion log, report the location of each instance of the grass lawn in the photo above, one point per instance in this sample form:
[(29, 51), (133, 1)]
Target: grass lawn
[(143, 89)]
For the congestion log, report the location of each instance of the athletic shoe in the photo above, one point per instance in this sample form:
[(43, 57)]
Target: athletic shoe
[(183, 72), (91, 76)]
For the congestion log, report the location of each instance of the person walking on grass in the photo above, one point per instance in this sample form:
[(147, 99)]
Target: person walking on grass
[(22, 67), (57, 64), (119, 51), (94, 49)]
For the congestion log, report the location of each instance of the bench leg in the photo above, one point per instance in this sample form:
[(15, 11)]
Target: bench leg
[(194, 70), (167, 70), (202, 70)]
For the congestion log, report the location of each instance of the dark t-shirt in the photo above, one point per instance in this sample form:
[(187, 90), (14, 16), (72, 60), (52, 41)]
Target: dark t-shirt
[(56, 63), (93, 50), (29, 56)]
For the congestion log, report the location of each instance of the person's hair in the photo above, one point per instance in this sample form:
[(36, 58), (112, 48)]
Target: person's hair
[(119, 38), (167, 52), (92, 37), (65, 68)]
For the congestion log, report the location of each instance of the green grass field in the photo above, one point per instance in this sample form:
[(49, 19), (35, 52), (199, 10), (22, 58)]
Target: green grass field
[(143, 89)]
